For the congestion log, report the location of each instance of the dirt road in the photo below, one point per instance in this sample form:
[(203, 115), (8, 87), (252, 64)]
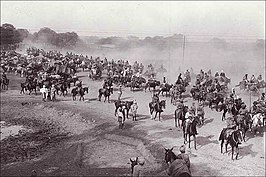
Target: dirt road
[(97, 147)]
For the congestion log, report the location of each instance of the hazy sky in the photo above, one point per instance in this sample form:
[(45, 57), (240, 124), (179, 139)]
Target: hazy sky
[(236, 19)]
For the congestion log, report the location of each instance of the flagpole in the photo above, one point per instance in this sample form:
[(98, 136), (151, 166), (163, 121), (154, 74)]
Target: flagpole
[(184, 41)]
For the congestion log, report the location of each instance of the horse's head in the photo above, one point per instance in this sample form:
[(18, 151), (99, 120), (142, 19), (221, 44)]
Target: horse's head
[(196, 120), (133, 163), (169, 155), (163, 103)]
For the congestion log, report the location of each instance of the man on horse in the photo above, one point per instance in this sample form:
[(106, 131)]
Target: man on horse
[(155, 99), (243, 112), (189, 118), (200, 111)]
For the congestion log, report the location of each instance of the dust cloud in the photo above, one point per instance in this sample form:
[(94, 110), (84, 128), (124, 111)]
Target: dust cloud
[(236, 59)]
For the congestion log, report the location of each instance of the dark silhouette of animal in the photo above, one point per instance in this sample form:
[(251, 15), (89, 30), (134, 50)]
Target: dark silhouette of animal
[(190, 129), (157, 108), (106, 92), (74, 93), (180, 115), (4, 83), (152, 84), (165, 88), (126, 104), (232, 137)]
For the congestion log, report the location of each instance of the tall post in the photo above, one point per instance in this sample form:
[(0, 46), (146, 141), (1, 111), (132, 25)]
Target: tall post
[(184, 46)]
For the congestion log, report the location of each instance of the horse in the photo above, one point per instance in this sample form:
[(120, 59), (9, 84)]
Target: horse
[(81, 93), (177, 169), (30, 86), (232, 137), (165, 88), (133, 163), (257, 121), (243, 123), (157, 108), (106, 92), (4, 84), (86, 89), (180, 115), (190, 129), (74, 92), (62, 87), (152, 84), (127, 105)]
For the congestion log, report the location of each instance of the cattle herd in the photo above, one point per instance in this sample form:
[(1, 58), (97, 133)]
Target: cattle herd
[(53, 73)]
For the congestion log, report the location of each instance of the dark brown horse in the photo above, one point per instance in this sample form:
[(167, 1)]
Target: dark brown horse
[(106, 92), (190, 129), (180, 116), (232, 137), (157, 108)]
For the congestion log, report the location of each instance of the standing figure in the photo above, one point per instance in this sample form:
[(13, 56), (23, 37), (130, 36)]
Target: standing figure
[(134, 109), (119, 93)]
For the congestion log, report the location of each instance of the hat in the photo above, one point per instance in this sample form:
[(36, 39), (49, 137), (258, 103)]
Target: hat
[(182, 149), (135, 102), (141, 160), (243, 105)]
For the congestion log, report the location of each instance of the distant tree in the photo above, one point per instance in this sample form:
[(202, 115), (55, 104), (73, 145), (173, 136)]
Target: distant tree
[(10, 35)]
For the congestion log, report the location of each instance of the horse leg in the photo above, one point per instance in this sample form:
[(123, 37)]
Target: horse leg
[(237, 151), (232, 157), (195, 143), (155, 115), (188, 141), (226, 144), (222, 143)]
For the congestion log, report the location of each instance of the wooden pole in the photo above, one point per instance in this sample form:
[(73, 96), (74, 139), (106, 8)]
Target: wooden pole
[(184, 45)]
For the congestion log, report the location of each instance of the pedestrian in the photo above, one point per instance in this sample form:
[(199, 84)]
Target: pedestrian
[(120, 117), (134, 109), (52, 93), (119, 93), (138, 169), (44, 92), (184, 156)]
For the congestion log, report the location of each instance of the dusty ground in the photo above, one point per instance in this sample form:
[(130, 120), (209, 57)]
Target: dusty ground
[(93, 145)]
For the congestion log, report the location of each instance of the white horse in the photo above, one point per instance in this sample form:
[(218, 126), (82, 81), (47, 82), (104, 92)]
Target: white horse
[(257, 120)]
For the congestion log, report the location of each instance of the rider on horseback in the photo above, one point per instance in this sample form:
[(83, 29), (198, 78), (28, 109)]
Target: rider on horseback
[(189, 118), (243, 112), (155, 99)]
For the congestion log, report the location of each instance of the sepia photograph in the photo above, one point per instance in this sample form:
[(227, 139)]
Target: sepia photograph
[(132, 88)]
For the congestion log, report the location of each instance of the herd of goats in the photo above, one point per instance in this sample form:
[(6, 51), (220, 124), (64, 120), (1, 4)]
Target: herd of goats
[(56, 72)]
